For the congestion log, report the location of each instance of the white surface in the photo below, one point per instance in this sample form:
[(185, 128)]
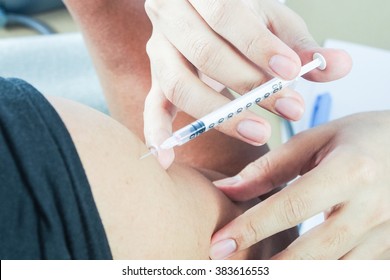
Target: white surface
[(56, 65)]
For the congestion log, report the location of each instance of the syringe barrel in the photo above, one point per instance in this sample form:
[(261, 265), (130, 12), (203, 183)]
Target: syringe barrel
[(235, 107), (189, 132), (243, 103), (228, 111)]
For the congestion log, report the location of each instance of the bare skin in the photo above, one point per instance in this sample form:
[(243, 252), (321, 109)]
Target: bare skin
[(141, 204), (344, 168), (147, 212), (116, 33)]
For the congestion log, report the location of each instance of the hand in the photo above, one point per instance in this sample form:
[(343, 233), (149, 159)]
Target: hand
[(345, 173), (237, 43)]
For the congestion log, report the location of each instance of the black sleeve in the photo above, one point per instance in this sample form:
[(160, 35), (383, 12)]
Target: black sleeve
[(47, 209)]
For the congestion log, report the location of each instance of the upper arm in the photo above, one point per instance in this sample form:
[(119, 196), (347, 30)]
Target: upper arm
[(146, 211)]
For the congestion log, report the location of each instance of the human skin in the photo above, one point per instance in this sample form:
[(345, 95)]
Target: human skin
[(240, 44), (149, 212), (109, 48), (344, 167), (116, 33)]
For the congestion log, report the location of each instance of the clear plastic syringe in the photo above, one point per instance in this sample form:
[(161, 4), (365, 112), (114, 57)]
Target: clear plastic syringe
[(234, 107)]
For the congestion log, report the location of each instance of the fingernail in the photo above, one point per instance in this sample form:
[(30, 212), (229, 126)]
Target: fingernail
[(230, 181), (223, 249), (289, 108), (284, 67), (253, 131)]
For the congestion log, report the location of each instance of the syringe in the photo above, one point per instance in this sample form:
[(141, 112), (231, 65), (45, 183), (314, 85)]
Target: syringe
[(234, 108)]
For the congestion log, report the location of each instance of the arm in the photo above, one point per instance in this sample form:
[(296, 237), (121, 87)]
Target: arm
[(116, 33), (145, 217)]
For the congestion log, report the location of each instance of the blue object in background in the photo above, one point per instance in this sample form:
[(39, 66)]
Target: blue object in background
[(3, 18), (17, 13), (26, 7), (321, 110)]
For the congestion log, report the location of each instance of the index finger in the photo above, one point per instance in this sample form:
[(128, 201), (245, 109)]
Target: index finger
[(301, 200), (237, 23), (198, 43)]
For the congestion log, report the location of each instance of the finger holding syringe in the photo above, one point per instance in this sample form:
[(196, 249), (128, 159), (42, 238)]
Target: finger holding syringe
[(233, 108)]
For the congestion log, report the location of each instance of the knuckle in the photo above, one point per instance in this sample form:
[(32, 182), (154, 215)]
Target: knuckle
[(252, 45), (363, 168), (260, 169), (250, 234), (260, 166), (306, 256), (338, 239), (298, 255), (247, 85), (255, 168), (218, 16), (303, 40), (252, 80), (204, 56), (173, 85), (293, 210)]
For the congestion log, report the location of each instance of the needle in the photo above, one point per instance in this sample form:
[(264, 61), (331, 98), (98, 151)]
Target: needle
[(146, 155), (152, 151)]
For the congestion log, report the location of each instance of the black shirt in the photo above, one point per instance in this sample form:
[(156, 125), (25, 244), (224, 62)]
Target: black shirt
[(47, 209)]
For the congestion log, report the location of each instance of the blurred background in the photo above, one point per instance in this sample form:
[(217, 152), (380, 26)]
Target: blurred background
[(60, 65), (359, 21)]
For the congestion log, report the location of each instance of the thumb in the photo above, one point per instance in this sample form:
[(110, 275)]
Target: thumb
[(274, 169), (338, 63), (293, 31)]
